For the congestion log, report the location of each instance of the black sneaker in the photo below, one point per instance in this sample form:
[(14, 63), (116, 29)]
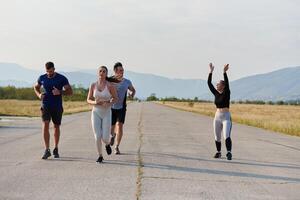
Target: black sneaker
[(229, 156), (117, 151), (47, 154), (108, 149), (100, 159), (55, 153), (112, 140), (218, 155)]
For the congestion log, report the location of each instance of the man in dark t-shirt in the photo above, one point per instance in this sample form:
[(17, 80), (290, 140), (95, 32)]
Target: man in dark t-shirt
[(54, 85)]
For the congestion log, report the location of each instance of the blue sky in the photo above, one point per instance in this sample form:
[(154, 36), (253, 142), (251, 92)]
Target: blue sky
[(171, 38)]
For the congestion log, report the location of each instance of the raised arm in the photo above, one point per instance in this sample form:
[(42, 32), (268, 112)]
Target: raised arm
[(226, 82), (210, 85)]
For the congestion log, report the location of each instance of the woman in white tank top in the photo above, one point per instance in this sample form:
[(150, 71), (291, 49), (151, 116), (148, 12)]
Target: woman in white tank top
[(102, 94)]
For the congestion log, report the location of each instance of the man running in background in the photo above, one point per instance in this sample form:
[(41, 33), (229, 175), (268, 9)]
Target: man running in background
[(54, 86), (119, 108)]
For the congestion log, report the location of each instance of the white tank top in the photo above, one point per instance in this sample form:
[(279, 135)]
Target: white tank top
[(103, 95)]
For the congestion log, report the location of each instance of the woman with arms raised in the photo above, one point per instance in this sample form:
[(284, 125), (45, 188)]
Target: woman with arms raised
[(222, 120)]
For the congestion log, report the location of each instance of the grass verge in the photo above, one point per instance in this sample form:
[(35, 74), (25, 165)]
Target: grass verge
[(279, 118), (29, 108)]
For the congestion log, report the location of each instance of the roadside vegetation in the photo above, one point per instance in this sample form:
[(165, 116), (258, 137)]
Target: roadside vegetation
[(31, 108), (279, 118), (23, 102)]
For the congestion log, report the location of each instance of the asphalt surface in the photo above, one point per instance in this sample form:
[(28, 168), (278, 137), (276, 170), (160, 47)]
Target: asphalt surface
[(166, 154)]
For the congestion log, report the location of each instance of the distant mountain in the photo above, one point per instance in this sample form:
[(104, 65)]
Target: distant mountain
[(11, 71), (145, 84), (278, 85), (282, 84)]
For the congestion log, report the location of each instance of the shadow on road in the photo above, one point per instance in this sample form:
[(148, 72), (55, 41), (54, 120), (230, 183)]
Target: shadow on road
[(220, 172), (72, 159), (107, 160), (20, 127), (134, 163), (235, 161)]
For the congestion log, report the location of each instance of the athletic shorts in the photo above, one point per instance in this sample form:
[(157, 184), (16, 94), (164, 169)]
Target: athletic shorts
[(118, 115), (53, 114)]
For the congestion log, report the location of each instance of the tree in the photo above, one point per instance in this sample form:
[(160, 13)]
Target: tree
[(152, 97)]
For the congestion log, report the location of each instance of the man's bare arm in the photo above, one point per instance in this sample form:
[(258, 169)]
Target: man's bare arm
[(37, 90), (132, 90), (67, 90)]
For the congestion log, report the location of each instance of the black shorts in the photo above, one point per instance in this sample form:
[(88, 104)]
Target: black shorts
[(54, 114), (118, 115)]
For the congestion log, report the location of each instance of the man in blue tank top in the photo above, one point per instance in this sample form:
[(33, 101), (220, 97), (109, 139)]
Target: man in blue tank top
[(119, 108), (54, 85)]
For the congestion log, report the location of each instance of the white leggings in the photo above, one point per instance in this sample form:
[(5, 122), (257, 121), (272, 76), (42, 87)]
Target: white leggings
[(101, 124), (222, 122)]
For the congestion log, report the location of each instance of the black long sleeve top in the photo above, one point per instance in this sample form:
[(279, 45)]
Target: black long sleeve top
[(222, 100)]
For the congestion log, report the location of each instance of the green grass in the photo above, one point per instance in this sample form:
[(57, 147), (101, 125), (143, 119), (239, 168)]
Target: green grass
[(31, 108), (279, 118)]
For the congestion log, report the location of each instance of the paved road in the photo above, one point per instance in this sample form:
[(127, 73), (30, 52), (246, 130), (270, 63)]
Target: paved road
[(167, 154)]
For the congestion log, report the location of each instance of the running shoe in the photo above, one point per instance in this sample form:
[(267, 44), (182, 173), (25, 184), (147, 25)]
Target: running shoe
[(108, 149), (100, 159), (47, 154), (55, 153), (229, 155), (117, 151), (218, 155)]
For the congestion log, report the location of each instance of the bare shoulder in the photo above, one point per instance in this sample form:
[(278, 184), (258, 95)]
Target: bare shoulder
[(92, 86)]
